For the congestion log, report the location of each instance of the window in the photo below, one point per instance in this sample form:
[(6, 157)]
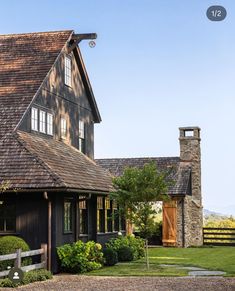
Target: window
[(63, 128), (7, 216), (67, 216), (42, 121), (34, 119), (100, 214), (108, 215), (67, 71), (82, 136), (49, 124), (83, 215), (116, 216)]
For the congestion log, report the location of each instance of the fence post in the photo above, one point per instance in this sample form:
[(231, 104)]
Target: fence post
[(18, 258), (44, 254)]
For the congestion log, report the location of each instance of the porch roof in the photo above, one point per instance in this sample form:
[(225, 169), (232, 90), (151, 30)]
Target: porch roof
[(179, 172), (29, 161)]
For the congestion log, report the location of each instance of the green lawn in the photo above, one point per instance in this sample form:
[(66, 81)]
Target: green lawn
[(215, 258)]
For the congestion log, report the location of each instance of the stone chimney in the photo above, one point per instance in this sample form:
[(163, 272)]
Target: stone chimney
[(190, 151)]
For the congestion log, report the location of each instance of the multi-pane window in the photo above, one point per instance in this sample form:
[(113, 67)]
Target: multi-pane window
[(63, 128), (49, 124), (34, 119), (42, 121), (67, 71), (7, 216), (116, 216), (67, 216), (108, 215), (82, 136), (100, 214), (83, 215)]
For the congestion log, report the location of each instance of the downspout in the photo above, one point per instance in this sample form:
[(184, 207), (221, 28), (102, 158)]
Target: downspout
[(49, 232)]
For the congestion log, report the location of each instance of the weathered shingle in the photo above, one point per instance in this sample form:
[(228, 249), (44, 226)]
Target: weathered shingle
[(31, 161), (25, 60), (179, 172)]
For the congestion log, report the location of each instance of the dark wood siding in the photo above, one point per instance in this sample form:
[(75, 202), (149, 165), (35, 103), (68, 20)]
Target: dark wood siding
[(63, 101)]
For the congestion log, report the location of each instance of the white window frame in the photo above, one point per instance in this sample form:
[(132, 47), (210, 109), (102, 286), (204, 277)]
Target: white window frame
[(49, 123), (63, 128), (42, 121), (81, 129), (68, 71), (81, 134), (34, 119)]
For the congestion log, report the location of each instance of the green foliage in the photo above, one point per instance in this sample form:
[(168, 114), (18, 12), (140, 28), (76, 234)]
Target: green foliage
[(125, 254), (136, 192), (80, 257), (29, 277), (36, 275), (136, 245), (110, 257), (7, 283), (8, 245), (219, 221)]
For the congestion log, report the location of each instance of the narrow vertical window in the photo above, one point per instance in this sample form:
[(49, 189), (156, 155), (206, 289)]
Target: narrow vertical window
[(100, 215), (42, 121), (108, 215), (34, 119), (67, 216), (116, 216), (83, 215), (63, 128), (49, 124), (82, 136), (67, 71)]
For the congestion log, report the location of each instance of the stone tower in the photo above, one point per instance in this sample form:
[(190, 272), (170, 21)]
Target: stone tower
[(190, 152)]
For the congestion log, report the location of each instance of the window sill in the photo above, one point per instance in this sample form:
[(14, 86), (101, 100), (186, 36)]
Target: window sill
[(67, 232)]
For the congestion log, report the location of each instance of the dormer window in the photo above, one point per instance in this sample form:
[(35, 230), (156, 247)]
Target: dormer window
[(49, 124), (34, 119), (67, 71), (42, 121), (63, 128), (81, 136)]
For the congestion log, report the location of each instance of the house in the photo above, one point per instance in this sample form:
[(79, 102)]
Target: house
[(55, 192), (182, 215)]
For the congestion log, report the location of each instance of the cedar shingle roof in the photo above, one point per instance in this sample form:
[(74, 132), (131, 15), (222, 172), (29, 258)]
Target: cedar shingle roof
[(25, 60), (30, 161), (180, 172)]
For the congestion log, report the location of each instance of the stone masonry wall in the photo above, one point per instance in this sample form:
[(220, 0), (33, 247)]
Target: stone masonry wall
[(193, 218)]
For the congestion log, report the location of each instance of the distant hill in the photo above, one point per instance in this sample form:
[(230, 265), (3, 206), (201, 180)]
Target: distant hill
[(207, 212)]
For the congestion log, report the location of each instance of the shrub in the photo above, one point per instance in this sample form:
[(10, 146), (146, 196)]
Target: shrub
[(36, 275), (8, 245), (80, 257), (125, 254), (110, 257), (30, 277), (7, 283), (135, 243)]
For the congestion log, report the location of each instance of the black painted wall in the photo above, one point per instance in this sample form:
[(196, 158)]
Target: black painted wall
[(70, 103)]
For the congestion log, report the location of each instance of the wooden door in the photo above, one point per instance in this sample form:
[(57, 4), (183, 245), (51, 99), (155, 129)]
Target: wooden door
[(169, 231)]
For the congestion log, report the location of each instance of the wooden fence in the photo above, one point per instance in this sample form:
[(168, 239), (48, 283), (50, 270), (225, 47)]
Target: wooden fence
[(219, 236), (19, 255)]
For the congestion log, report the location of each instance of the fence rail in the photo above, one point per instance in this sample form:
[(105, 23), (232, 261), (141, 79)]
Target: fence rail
[(219, 236), (18, 255)]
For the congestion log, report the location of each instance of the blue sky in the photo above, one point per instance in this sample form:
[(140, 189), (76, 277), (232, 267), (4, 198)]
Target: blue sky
[(157, 65)]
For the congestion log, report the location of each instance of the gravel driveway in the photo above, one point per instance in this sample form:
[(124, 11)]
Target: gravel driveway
[(98, 283)]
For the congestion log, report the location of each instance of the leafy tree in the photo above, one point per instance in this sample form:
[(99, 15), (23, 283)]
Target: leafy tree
[(136, 192)]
